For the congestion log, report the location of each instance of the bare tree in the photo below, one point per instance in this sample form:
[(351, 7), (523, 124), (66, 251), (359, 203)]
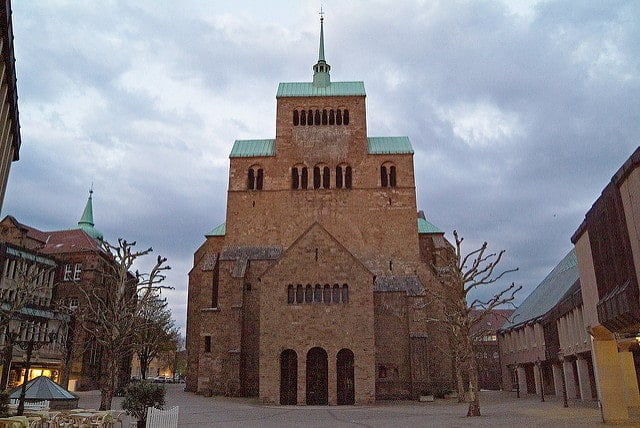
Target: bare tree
[(462, 275), (156, 333), (111, 311)]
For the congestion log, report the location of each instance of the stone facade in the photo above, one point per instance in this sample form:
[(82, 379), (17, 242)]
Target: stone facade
[(313, 291)]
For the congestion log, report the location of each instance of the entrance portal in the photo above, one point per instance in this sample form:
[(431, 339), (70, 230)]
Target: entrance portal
[(317, 377), (344, 370), (288, 377)]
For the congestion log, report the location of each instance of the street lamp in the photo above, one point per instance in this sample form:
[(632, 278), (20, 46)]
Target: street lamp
[(31, 340)]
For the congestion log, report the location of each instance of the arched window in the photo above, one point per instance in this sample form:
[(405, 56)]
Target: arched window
[(345, 293), (326, 294), (317, 294), (308, 294), (384, 178), (338, 117), (326, 177), (316, 177), (295, 178), (392, 176), (290, 294), (347, 177), (303, 117), (259, 179), (310, 117), (388, 175), (251, 179), (338, 177), (305, 178), (335, 293), (299, 294), (317, 117), (345, 117), (332, 117), (296, 118), (324, 117)]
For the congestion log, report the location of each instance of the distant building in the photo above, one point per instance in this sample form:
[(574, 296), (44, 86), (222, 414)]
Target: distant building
[(9, 122), (314, 291), (543, 344), (607, 245), (486, 348)]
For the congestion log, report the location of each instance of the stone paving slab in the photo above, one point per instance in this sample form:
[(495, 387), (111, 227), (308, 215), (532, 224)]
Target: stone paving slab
[(499, 409)]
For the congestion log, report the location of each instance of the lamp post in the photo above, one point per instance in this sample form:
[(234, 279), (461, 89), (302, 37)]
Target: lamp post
[(31, 341)]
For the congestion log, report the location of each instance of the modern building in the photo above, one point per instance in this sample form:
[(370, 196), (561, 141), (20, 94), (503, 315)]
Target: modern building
[(316, 289), (9, 121), (487, 349), (607, 246)]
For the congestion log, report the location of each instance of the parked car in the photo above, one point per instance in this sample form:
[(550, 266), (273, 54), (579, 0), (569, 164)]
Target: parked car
[(160, 379)]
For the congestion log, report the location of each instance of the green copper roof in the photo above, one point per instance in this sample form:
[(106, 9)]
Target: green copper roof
[(218, 231), (253, 148), (425, 226), (86, 221), (334, 89), (389, 145)]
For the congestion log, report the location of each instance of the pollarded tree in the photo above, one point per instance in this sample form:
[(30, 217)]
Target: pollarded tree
[(463, 275), (156, 334), (112, 308)]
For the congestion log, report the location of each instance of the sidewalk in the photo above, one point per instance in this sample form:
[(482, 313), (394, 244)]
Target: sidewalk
[(499, 409)]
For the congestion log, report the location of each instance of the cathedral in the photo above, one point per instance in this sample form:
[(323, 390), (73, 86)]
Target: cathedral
[(317, 288)]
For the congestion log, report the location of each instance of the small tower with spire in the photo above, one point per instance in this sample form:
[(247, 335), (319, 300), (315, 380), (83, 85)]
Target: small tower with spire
[(321, 78), (86, 221)]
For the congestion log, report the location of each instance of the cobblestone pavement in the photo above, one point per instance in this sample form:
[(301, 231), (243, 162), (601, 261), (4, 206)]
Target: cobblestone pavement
[(499, 409)]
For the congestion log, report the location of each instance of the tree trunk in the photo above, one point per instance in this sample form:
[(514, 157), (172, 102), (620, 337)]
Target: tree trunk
[(108, 387), (474, 392)]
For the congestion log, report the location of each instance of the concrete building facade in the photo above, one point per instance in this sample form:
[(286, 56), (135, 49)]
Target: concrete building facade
[(314, 289)]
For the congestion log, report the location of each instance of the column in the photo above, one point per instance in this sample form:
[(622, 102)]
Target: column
[(557, 379), (567, 366), (522, 380), (537, 376), (628, 372), (606, 364), (583, 379)]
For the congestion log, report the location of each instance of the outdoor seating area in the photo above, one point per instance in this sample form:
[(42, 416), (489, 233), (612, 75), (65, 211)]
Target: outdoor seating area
[(76, 418)]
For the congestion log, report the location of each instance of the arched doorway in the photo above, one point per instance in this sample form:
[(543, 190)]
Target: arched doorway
[(288, 377), (344, 371), (317, 377)]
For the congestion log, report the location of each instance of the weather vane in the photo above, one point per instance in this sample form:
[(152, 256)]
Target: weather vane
[(321, 14)]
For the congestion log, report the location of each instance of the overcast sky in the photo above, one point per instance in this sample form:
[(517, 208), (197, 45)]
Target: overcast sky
[(519, 111)]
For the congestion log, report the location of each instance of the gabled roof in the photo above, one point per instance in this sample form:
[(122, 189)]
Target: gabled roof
[(425, 226), (548, 293), (219, 230), (334, 89), (389, 145), (253, 148), (31, 232), (70, 241)]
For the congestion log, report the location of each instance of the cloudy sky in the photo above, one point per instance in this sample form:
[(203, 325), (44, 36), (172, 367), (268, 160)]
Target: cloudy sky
[(519, 111)]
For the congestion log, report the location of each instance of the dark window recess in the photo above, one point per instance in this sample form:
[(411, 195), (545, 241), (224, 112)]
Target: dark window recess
[(305, 178), (338, 117), (384, 179), (296, 118), (308, 294), (299, 294), (310, 117), (345, 117), (250, 179), (332, 117), (316, 177), (382, 372), (326, 177), (335, 293), (247, 286), (338, 177), (214, 286), (295, 178), (290, 294), (317, 294), (326, 294), (317, 117), (303, 117), (324, 117), (392, 176), (259, 179), (207, 344), (347, 177), (345, 293)]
